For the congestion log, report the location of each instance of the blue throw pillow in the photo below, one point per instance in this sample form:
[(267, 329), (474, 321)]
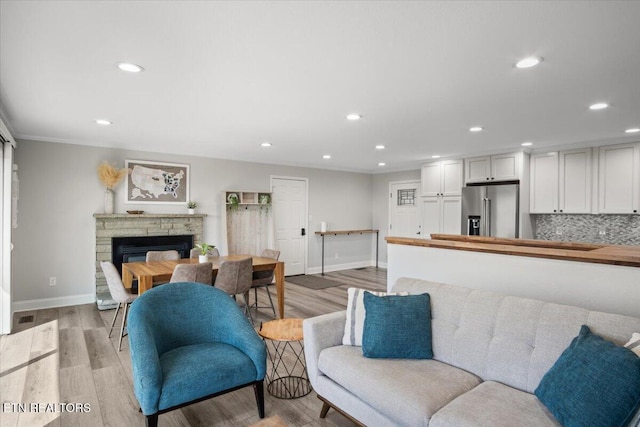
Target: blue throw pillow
[(593, 383), (397, 327)]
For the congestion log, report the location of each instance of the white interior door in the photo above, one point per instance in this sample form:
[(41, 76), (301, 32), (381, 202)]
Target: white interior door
[(289, 201), (404, 209)]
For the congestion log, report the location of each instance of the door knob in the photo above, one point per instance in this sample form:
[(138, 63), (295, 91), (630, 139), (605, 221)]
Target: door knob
[(303, 232)]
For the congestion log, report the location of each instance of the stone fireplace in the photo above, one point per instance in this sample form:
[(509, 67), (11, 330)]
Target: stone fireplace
[(144, 225)]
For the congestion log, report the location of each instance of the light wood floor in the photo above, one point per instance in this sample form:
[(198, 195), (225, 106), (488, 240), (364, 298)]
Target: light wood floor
[(64, 356)]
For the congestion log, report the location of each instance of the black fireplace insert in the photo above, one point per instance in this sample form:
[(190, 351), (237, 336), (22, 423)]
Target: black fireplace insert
[(133, 249)]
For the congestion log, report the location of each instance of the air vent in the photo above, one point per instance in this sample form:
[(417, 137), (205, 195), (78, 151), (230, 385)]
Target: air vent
[(25, 319)]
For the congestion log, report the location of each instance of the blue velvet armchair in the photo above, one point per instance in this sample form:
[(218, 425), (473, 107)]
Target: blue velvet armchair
[(190, 342)]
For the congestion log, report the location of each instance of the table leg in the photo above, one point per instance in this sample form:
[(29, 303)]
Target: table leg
[(127, 278), (144, 284), (323, 254), (377, 248), (279, 275)]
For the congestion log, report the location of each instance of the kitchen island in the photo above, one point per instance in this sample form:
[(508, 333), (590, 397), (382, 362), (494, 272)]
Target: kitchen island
[(597, 277)]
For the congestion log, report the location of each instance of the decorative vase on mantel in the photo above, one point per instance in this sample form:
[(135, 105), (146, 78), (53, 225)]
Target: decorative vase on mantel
[(108, 201)]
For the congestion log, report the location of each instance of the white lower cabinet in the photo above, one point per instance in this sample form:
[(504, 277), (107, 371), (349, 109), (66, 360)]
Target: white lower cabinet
[(441, 214)]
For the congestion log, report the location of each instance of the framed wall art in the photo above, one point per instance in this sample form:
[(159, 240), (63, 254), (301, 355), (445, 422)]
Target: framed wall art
[(157, 182)]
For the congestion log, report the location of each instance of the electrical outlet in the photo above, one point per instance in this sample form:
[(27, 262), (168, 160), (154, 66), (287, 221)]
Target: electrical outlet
[(52, 281), (559, 231), (602, 231)]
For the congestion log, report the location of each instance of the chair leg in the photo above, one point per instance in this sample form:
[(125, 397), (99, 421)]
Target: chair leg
[(113, 322), (124, 320), (152, 420), (247, 311), (258, 388), (255, 298), (273, 307)]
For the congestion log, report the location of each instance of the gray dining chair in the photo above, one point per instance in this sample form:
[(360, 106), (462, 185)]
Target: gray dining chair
[(120, 295), (264, 279), (212, 252), (234, 277), (171, 255), (162, 255), (200, 273)]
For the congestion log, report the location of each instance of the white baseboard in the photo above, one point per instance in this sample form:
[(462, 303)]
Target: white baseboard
[(38, 304), (339, 267)]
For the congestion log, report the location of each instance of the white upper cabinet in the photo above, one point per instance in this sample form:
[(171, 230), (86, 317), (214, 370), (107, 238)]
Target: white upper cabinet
[(561, 182), (575, 181), (477, 169), (619, 179), (499, 167), (544, 183), (442, 178)]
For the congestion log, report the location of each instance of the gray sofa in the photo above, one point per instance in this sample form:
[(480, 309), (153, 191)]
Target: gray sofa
[(490, 352)]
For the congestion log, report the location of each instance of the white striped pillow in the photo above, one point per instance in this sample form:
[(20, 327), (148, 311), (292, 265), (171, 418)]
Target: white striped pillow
[(354, 325), (634, 343)]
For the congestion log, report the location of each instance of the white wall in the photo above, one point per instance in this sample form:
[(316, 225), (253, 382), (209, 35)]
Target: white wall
[(60, 192), (601, 287)]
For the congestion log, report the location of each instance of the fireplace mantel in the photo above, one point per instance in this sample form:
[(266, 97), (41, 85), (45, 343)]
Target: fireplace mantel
[(133, 216), (134, 225)]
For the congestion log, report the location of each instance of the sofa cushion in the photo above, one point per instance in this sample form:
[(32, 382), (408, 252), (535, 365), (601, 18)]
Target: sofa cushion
[(354, 325), (397, 327), (404, 390), (594, 382), (496, 405)]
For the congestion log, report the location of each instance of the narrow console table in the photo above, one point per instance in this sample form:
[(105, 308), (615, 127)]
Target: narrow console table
[(347, 232)]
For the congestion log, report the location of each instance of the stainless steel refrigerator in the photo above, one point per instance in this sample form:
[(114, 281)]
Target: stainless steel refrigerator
[(491, 210)]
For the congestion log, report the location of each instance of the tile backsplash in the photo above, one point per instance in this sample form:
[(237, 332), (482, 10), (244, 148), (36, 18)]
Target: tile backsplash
[(608, 229)]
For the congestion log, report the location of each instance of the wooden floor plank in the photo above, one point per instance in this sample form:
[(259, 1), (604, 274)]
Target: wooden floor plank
[(77, 386), (69, 317), (90, 316), (73, 348), (64, 355), (41, 388), (101, 352), (118, 406), (15, 350)]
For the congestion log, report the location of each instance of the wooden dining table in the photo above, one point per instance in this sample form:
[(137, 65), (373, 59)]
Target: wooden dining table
[(148, 272)]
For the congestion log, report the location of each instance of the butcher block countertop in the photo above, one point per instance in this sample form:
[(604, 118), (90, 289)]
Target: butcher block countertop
[(567, 251)]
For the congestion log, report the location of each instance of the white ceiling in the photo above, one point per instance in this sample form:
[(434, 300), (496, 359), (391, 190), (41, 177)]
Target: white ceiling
[(222, 77)]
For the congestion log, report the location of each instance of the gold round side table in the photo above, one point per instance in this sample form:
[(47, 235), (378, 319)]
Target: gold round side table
[(288, 378)]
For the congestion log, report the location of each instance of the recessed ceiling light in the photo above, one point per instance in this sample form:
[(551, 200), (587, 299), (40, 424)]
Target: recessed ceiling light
[(529, 62), (354, 116), (381, 164), (475, 129), (103, 122), (598, 106), (632, 130), (527, 144), (265, 144), (326, 156), (380, 147), (435, 157), (130, 68)]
